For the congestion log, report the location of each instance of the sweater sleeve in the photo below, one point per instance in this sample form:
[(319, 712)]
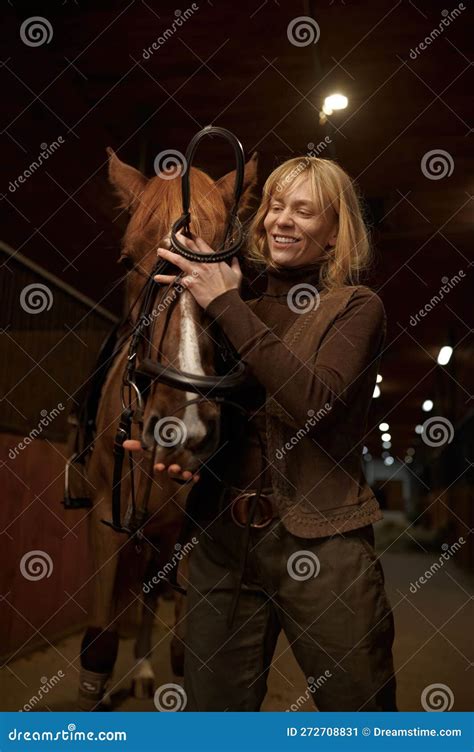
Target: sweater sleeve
[(329, 378)]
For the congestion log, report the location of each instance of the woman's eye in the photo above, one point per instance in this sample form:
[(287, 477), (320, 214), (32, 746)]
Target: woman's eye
[(304, 214)]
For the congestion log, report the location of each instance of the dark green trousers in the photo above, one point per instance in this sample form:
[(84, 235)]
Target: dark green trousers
[(327, 594)]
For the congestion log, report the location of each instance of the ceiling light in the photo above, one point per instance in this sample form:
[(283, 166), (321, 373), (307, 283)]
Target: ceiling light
[(376, 392), (334, 102), (379, 378), (388, 460), (384, 426), (387, 444), (418, 428), (444, 355), (427, 405), (386, 437)]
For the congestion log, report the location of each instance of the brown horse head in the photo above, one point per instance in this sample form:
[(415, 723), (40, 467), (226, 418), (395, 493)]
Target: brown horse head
[(178, 334)]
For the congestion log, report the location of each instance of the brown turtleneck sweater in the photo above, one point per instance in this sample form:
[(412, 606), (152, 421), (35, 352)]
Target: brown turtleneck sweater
[(273, 311)]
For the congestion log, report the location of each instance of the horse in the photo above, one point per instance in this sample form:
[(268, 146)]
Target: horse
[(182, 337)]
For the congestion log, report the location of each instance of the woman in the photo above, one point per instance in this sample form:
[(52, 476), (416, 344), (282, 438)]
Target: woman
[(313, 343)]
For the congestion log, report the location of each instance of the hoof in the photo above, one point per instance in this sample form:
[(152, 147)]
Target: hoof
[(143, 689)]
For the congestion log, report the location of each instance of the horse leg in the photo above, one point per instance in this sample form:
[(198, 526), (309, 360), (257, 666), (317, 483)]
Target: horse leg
[(179, 634), (143, 677), (99, 646)]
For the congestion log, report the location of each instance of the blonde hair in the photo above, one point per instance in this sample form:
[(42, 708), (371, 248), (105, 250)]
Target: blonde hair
[(331, 187)]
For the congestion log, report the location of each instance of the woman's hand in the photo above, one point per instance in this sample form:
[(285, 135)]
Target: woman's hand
[(174, 471), (204, 281)]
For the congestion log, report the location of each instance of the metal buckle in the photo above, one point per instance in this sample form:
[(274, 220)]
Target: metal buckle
[(240, 508)]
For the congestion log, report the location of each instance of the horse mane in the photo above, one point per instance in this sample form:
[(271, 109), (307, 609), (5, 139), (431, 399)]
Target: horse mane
[(161, 200)]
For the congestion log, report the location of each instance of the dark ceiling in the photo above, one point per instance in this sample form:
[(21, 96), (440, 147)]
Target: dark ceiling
[(232, 64)]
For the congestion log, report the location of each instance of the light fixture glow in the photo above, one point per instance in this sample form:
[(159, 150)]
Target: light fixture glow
[(384, 426), (334, 102), (386, 437), (376, 392), (418, 428), (410, 451), (387, 444), (367, 457), (427, 405), (388, 461), (379, 378), (444, 355)]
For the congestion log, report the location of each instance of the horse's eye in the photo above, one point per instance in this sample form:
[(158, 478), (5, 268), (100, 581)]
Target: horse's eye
[(126, 261)]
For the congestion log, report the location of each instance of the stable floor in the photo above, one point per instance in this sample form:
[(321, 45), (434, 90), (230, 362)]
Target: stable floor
[(433, 646)]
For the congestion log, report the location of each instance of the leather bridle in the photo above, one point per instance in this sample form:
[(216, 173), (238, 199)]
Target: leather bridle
[(216, 388)]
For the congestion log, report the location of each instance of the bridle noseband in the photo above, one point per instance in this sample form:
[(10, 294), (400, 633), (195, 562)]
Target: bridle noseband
[(214, 388)]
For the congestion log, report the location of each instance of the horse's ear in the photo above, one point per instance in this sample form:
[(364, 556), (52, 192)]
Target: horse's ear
[(127, 181), (226, 184)]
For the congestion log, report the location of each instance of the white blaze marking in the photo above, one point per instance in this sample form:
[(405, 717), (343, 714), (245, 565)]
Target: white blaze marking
[(143, 669), (190, 362)]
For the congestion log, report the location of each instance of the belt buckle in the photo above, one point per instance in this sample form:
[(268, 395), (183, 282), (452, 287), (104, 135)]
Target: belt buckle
[(240, 508)]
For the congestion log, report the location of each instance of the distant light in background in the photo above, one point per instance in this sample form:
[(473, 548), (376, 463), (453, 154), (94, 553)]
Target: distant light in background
[(408, 459), (427, 405), (365, 450), (385, 454), (388, 460), (379, 378), (335, 102), (331, 103), (387, 444), (444, 355), (386, 437), (410, 451), (376, 392), (367, 457), (418, 428), (384, 426)]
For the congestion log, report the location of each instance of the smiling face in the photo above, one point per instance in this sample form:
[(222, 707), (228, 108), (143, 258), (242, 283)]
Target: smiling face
[(298, 232)]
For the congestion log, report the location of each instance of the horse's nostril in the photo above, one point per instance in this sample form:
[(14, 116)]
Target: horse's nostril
[(205, 445)]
